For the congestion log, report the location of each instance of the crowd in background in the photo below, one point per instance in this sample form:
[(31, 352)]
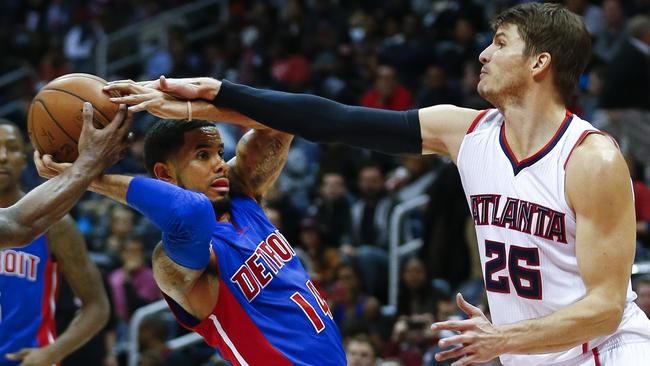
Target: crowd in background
[(332, 202)]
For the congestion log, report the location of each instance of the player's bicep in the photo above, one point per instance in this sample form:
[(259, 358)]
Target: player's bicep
[(172, 278), (599, 190), (443, 128)]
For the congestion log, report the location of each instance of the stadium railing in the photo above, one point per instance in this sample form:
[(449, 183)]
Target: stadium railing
[(398, 248)]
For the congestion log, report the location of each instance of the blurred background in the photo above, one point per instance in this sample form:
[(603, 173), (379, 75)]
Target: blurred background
[(388, 240)]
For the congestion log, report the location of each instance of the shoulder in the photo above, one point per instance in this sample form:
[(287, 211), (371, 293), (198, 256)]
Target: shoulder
[(595, 169)]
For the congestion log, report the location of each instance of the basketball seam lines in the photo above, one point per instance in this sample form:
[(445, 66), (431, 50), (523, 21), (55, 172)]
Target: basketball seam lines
[(55, 121), (77, 96)]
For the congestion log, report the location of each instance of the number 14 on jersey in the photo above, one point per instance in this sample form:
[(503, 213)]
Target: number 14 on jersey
[(309, 310)]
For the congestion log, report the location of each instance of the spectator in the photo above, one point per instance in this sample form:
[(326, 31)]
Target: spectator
[(416, 296), (332, 208), (627, 78), (360, 351), (351, 304), (387, 93), (371, 211), (436, 89), (132, 285), (608, 41), (152, 337), (319, 260)]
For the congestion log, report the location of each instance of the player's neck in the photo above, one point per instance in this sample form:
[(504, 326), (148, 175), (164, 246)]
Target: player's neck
[(532, 122), (10, 196)]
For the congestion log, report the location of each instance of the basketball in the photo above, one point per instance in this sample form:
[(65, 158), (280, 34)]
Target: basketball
[(55, 115)]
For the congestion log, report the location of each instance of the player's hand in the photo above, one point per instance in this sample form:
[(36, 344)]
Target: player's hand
[(107, 145), (478, 341), (33, 357), (186, 88), (141, 98), (47, 167)]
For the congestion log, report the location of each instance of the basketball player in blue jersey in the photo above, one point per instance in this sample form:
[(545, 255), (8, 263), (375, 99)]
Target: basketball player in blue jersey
[(30, 274), (550, 195), (31, 215), (225, 270)]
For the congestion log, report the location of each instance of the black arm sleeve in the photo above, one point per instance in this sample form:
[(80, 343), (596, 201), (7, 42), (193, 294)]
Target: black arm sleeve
[(322, 120)]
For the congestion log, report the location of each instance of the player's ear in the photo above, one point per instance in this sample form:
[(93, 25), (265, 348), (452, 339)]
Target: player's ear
[(163, 172), (541, 64)]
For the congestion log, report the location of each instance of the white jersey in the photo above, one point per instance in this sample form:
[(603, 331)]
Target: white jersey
[(526, 231)]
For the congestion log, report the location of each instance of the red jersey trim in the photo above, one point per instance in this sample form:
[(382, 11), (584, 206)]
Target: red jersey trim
[(478, 118), (596, 358), (579, 141), (46, 333), (232, 330)]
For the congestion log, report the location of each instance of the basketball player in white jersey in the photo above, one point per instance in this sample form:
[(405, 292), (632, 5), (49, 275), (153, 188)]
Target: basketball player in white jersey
[(550, 195)]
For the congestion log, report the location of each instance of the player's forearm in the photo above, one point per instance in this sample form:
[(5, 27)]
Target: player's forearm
[(47, 203), (113, 186), (209, 112), (90, 319), (591, 317), (322, 120)]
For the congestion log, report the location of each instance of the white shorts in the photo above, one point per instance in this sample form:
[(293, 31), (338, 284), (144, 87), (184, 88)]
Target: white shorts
[(615, 352)]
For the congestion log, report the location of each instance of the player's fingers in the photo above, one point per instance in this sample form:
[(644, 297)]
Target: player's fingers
[(465, 338), (18, 355), (164, 86), (87, 114), (123, 81), (124, 88), (466, 307), (466, 360), (457, 325), (119, 118), (49, 163), (140, 107), (132, 99), (451, 353)]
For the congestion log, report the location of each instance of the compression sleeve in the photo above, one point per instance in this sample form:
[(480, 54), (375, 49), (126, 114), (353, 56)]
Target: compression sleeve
[(186, 219), (322, 120)]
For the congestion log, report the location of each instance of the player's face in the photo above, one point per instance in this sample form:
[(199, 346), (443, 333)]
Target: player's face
[(505, 72), (199, 165), (360, 354), (12, 157)]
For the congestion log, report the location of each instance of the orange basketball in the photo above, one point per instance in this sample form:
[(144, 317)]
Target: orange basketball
[(55, 115)]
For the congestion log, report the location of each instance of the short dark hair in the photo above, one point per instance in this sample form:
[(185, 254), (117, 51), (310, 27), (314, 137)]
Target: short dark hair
[(6, 122), (165, 138), (554, 29)]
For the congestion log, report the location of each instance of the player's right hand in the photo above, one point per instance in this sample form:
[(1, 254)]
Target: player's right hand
[(107, 145), (183, 88)]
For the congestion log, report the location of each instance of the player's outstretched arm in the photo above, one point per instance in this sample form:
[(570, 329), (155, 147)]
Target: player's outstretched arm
[(438, 129), (69, 248), (48, 203), (261, 155)]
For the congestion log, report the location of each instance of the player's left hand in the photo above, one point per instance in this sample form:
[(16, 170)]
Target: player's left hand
[(33, 357), (47, 167), (478, 341)]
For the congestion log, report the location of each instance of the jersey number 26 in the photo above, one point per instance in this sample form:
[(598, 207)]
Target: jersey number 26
[(526, 281)]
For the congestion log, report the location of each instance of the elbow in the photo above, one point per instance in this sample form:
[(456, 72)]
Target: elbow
[(101, 311)]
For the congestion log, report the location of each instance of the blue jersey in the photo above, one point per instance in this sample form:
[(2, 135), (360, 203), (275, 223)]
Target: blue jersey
[(29, 281), (268, 311)]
